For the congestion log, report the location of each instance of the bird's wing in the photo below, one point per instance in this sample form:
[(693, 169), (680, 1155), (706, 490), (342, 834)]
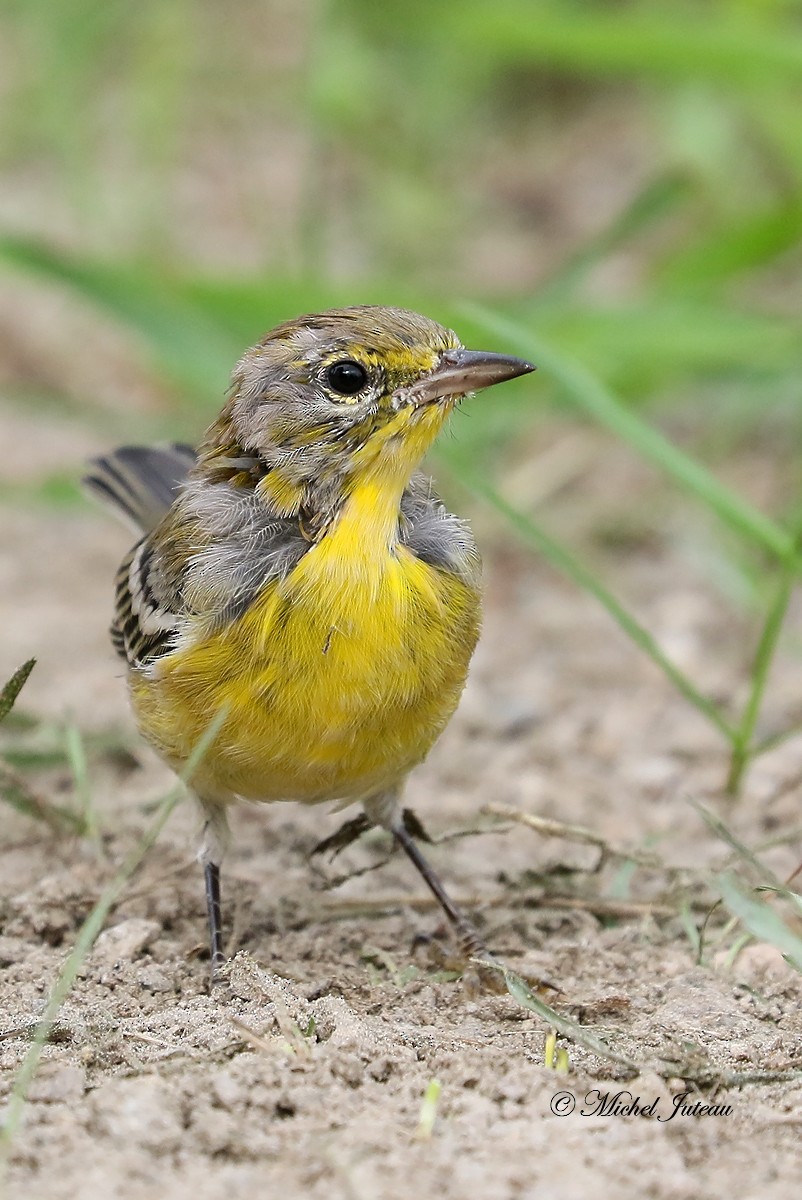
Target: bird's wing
[(139, 483), (148, 603), (214, 551)]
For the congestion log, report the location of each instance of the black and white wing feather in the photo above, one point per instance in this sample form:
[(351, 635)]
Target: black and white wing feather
[(141, 484), (146, 609)]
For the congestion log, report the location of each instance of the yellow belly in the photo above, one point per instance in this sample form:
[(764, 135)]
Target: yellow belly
[(336, 681)]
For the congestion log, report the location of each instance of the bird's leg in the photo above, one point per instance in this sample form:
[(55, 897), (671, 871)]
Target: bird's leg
[(211, 873), (212, 851), (467, 935), (384, 810)]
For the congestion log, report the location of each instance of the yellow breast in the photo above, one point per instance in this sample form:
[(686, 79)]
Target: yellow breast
[(337, 680)]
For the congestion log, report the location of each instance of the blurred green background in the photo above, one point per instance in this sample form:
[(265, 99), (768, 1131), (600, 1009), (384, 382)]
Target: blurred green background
[(612, 189), (625, 177)]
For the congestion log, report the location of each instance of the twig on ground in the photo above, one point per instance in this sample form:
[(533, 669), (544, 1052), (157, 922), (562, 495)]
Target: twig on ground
[(547, 827)]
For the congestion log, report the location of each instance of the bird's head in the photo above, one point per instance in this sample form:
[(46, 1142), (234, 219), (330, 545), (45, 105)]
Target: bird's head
[(328, 399)]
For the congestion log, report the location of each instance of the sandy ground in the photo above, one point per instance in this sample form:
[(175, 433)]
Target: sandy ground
[(304, 1075)]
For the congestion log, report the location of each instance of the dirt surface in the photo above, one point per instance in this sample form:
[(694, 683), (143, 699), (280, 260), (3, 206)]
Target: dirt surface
[(305, 1073)]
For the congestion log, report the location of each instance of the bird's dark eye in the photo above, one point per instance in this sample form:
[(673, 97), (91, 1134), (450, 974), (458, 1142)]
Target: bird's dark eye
[(346, 377)]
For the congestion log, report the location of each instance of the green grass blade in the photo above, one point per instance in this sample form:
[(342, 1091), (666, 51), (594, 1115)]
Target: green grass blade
[(749, 244), (762, 921), (569, 565), (667, 337), (660, 197), (75, 748), (596, 401), (729, 44), (743, 749), (717, 826), (193, 349), (12, 689), (16, 792), (523, 995)]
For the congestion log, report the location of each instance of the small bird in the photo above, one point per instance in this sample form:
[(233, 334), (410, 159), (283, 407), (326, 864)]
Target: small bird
[(299, 577)]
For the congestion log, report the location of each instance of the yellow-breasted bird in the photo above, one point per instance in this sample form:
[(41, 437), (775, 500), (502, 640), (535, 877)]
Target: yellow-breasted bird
[(300, 578)]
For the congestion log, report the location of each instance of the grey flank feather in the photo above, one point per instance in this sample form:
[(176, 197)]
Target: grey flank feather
[(435, 535)]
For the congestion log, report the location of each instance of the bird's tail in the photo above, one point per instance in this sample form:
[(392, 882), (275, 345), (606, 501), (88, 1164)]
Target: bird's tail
[(139, 483)]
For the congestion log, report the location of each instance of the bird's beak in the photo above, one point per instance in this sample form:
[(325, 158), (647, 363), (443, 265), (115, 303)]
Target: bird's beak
[(461, 371)]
